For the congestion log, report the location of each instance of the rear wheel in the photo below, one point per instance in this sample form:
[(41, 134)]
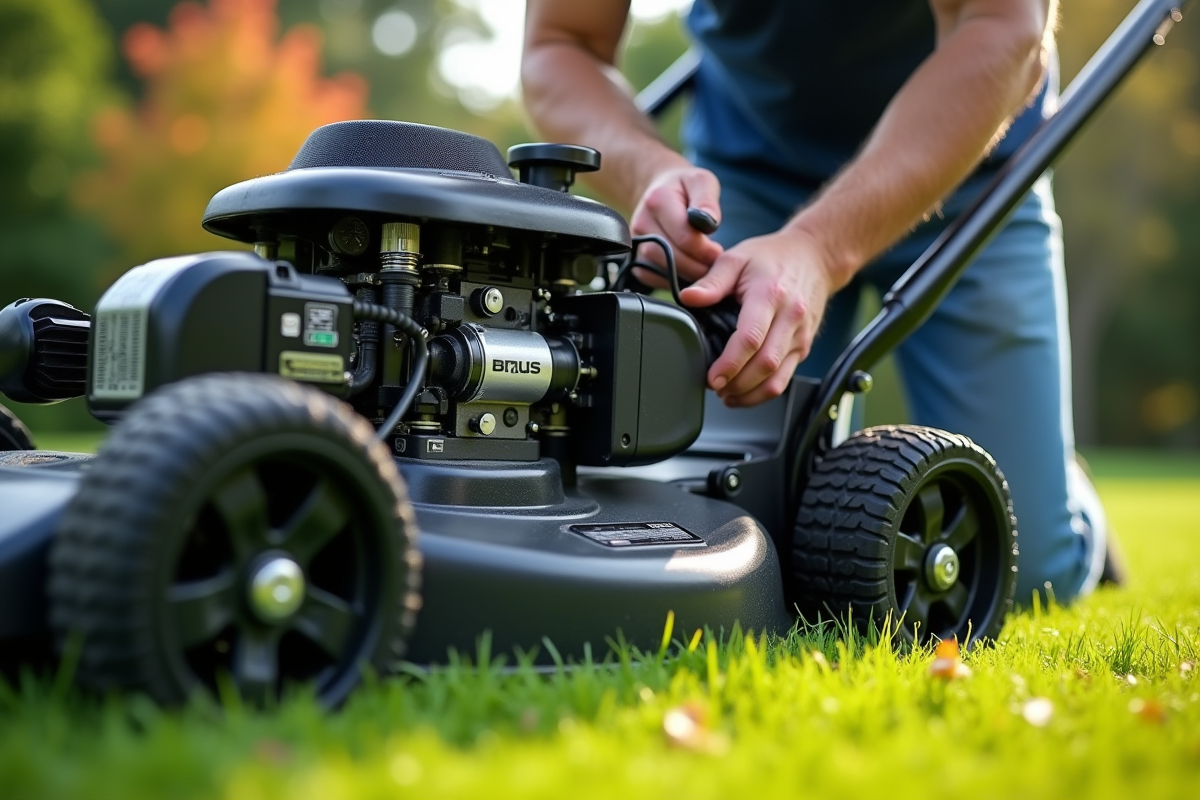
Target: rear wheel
[(242, 528), (910, 523)]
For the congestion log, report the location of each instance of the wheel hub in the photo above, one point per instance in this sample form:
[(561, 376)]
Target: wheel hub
[(276, 589), (941, 567)]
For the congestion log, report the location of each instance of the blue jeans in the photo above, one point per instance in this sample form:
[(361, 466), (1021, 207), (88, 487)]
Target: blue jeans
[(993, 362)]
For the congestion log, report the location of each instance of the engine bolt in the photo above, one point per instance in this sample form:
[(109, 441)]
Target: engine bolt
[(484, 424), (493, 300), (350, 236)]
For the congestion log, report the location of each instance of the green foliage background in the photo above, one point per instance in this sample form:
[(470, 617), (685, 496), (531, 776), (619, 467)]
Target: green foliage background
[(1129, 191)]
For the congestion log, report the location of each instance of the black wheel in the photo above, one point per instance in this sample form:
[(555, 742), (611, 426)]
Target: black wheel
[(13, 433), (242, 528), (912, 523)]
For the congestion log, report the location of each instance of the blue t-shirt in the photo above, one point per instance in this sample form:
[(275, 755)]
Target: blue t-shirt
[(797, 85)]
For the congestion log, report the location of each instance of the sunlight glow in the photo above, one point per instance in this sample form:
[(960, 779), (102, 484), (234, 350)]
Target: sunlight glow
[(486, 71)]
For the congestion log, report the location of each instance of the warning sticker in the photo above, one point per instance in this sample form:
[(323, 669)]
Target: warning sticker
[(638, 534), (311, 367), (119, 329), (120, 366), (320, 325)]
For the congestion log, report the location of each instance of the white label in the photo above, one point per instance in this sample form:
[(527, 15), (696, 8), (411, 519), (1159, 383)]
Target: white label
[(119, 349)]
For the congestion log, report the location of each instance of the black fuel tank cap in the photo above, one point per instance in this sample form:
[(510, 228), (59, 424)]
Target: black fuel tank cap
[(552, 166)]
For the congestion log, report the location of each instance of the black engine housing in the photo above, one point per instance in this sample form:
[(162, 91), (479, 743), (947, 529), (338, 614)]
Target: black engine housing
[(526, 362)]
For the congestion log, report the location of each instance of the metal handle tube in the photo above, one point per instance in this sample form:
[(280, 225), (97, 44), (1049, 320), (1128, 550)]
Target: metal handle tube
[(913, 298), (674, 81)]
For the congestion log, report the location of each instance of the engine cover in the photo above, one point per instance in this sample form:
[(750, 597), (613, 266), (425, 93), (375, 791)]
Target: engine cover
[(401, 169)]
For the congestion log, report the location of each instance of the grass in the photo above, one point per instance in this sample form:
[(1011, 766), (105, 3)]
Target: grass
[(811, 715)]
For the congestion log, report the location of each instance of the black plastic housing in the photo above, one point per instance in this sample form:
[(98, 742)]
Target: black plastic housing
[(387, 170), (646, 402), (214, 312), (43, 351)]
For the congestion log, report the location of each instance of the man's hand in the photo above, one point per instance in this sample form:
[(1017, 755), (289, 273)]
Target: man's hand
[(663, 209), (782, 281)]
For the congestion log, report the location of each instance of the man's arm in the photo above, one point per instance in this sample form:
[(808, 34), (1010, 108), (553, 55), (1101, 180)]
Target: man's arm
[(573, 93), (937, 128)]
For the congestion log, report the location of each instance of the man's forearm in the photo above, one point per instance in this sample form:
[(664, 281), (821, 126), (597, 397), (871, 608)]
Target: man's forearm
[(571, 98), (933, 134)]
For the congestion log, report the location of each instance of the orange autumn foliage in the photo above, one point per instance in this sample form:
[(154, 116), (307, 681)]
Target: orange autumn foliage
[(226, 99)]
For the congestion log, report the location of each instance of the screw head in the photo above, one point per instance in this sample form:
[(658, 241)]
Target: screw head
[(485, 424), (276, 589), (493, 300), (350, 236), (941, 567)]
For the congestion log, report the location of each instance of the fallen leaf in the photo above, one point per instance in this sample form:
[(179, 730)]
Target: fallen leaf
[(946, 663), (272, 751), (1150, 711), (1038, 711), (686, 727)]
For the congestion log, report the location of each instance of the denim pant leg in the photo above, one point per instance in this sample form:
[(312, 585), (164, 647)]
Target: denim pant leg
[(993, 362)]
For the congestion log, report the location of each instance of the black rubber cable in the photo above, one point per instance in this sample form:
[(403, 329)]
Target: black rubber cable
[(416, 335), (672, 275), (625, 274)]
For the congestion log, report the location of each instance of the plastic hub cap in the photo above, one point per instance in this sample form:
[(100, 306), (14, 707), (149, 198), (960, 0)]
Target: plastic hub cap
[(277, 589), (941, 567)]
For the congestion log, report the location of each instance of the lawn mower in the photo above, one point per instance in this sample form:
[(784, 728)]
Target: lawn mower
[(426, 412)]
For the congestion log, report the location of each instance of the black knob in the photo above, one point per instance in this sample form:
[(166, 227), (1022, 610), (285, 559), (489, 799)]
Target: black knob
[(702, 221), (552, 166)]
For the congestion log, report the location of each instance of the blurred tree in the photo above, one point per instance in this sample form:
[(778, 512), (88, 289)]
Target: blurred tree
[(1127, 192), (55, 66), (55, 59), (226, 99)]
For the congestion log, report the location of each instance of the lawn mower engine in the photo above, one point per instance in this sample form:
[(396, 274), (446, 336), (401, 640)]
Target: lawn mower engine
[(401, 268)]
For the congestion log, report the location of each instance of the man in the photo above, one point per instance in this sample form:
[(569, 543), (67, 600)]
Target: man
[(834, 142)]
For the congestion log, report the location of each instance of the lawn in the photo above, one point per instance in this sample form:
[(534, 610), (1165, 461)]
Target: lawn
[(1099, 700)]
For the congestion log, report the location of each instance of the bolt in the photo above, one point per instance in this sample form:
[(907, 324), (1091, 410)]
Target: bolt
[(484, 424), (731, 481), (511, 417), (861, 382), (941, 567), (277, 589), (350, 236), (493, 300), (533, 428)]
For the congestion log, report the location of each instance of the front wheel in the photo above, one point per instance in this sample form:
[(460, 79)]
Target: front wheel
[(239, 528), (912, 524)]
